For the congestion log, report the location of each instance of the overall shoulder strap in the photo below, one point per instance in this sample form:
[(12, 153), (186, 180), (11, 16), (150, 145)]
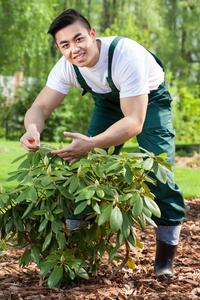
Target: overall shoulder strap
[(110, 58), (82, 81), (157, 60)]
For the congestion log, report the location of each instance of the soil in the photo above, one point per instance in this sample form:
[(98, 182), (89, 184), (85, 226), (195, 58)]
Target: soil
[(188, 162), (25, 284), (141, 283)]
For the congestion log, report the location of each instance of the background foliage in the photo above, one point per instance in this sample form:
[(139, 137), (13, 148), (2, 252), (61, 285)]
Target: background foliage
[(169, 28)]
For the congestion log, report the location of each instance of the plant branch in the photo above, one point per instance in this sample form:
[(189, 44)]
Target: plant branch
[(123, 262)]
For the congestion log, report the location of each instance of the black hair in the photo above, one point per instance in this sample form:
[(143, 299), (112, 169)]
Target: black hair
[(67, 18)]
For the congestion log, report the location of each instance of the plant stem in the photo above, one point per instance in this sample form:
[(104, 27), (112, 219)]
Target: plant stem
[(123, 262)]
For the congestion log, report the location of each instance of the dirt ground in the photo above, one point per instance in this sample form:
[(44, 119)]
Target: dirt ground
[(141, 283)]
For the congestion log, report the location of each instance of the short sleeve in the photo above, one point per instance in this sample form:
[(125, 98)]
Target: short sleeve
[(59, 78)]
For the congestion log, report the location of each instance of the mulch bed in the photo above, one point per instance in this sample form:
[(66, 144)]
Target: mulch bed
[(141, 283)]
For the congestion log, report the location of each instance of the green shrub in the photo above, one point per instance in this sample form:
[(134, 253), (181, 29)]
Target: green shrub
[(112, 188)]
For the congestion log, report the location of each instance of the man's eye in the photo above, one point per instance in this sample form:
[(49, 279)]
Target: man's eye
[(79, 39), (65, 45)]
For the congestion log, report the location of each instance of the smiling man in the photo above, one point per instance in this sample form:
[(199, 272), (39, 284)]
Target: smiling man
[(126, 82)]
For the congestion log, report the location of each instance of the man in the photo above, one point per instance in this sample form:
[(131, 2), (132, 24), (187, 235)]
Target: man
[(126, 82)]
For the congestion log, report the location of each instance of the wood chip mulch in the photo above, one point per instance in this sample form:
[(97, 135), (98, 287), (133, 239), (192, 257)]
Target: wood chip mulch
[(141, 283)]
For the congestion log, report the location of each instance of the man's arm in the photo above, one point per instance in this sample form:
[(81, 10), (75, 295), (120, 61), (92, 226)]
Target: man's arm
[(134, 110), (43, 106)]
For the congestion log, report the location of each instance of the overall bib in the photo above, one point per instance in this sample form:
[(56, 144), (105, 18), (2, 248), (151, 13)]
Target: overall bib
[(157, 136)]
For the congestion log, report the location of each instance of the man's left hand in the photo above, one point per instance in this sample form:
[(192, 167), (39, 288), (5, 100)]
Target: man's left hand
[(80, 145)]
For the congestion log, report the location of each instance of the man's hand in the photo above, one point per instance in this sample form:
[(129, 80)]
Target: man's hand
[(80, 145), (31, 139)]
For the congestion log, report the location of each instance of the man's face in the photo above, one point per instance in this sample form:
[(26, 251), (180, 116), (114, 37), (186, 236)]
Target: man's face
[(78, 45)]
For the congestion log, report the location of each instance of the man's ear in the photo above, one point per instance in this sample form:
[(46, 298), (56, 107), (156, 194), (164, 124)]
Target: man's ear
[(57, 47), (93, 33)]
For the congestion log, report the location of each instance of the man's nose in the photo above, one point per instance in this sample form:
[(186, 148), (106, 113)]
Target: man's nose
[(75, 48)]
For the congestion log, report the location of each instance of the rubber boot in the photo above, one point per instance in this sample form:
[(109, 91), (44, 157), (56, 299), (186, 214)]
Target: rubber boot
[(165, 255)]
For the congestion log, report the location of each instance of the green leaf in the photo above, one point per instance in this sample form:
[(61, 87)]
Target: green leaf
[(90, 193), (22, 258), (151, 222), (147, 212), (96, 207), (80, 207), (46, 266), (82, 273), (125, 226), (106, 211), (45, 149), (43, 225), (148, 163), (137, 207), (35, 254), (57, 211), (132, 240), (91, 233), (9, 225), (12, 178), (47, 241), (54, 226), (24, 195), (19, 225), (39, 212), (55, 276), (22, 175), (2, 204), (25, 165), (36, 158), (28, 210), (61, 240), (46, 180), (111, 150), (100, 151), (152, 206), (116, 219), (128, 174), (49, 216), (113, 253), (5, 198), (65, 192), (112, 167), (108, 191), (19, 158), (73, 184), (120, 238), (100, 193), (142, 221), (125, 197), (102, 247), (70, 271), (159, 172), (33, 194), (99, 171)]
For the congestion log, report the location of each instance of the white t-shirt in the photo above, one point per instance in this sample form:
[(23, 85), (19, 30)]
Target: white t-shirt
[(134, 71)]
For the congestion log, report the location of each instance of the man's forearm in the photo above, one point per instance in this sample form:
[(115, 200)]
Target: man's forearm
[(117, 134), (34, 116)]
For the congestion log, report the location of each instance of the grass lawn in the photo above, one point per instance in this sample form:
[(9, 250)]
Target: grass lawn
[(187, 179)]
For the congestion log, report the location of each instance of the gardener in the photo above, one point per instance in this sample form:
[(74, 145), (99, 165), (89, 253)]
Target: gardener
[(126, 82)]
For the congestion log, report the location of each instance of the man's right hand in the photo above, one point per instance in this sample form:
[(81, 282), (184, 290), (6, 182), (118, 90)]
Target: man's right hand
[(31, 139)]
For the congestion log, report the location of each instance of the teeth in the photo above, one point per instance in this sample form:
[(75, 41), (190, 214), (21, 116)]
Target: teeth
[(80, 56)]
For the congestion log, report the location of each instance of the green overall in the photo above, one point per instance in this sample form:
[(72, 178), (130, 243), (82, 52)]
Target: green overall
[(157, 136)]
